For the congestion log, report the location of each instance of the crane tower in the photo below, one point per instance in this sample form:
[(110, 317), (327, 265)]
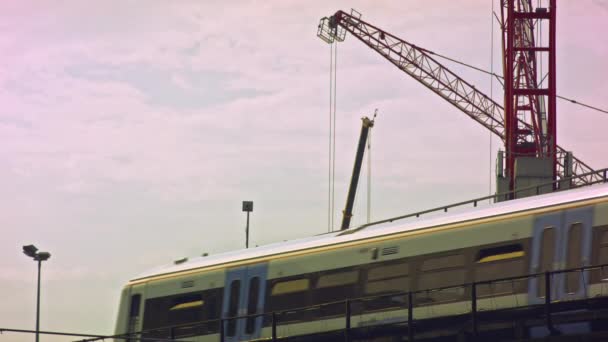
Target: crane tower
[(529, 101)]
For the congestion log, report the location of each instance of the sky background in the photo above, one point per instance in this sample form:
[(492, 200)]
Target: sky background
[(132, 130)]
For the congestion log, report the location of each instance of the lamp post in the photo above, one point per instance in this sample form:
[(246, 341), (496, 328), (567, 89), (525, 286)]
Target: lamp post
[(32, 252), (247, 207)]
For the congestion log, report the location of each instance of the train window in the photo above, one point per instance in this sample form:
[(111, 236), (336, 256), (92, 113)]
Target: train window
[(441, 272), (547, 249), (338, 279), (290, 286), (187, 303), (133, 313), (400, 284), (388, 278), (547, 255), (438, 263), (499, 253), (233, 306), (603, 252), (252, 305), (333, 286), (394, 270), (182, 309), (135, 303), (290, 294), (574, 256), (499, 262)]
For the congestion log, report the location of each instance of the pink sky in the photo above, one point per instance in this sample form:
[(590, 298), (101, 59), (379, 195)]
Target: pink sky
[(133, 130)]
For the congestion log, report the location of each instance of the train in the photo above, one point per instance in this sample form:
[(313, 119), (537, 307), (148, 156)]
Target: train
[(556, 231)]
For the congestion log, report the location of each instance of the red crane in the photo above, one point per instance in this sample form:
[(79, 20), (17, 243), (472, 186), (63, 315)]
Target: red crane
[(526, 130)]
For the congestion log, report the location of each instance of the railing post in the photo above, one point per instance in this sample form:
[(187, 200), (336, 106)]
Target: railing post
[(221, 329), (347, 330), (274, 326), (548, 301), (474, 308), (172, 333), (410, 318)]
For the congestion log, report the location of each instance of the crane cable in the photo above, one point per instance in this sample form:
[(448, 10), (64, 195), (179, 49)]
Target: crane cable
[(333, 63), (329, 154), (500, 79), (491, 97), (369, 176)]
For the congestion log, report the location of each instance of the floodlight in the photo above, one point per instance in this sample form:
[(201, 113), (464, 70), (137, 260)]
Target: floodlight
[(30, 250), (42, 256)]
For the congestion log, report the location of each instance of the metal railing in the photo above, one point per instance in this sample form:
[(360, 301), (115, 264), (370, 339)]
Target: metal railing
[(469, 296), (602, 177)]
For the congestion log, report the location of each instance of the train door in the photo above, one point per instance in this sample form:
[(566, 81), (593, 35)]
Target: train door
[(244, 294), (576, 248), (561, 241), (546, 255)]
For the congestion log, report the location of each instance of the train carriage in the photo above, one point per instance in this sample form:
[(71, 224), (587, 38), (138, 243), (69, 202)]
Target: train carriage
[(550, 232)]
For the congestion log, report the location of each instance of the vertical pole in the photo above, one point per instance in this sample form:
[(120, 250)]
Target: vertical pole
[(510, 112), (548, 301), (247, 232), (274, 326), (38, 304), (552, 105), (410, 317), (221, 330), (172, 333), (347, 330), (474, 308)]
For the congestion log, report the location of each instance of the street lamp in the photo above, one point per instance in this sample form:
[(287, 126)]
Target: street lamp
[(32, 252)]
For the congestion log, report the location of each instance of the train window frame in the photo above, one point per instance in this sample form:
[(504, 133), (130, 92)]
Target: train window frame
[(282, 288)]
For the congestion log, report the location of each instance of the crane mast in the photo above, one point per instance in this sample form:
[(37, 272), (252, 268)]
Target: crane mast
[(531, 149), (535, 138)]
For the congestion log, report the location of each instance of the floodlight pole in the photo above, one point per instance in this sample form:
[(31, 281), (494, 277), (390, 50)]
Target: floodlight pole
[(247, 207), (247, 232), (32, 252), (38, 303)]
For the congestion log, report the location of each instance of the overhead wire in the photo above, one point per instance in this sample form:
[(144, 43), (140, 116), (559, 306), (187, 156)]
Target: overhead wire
[(500, 79), (582, 104)]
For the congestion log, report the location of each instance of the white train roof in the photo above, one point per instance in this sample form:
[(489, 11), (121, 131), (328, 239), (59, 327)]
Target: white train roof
[(495, 209)]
